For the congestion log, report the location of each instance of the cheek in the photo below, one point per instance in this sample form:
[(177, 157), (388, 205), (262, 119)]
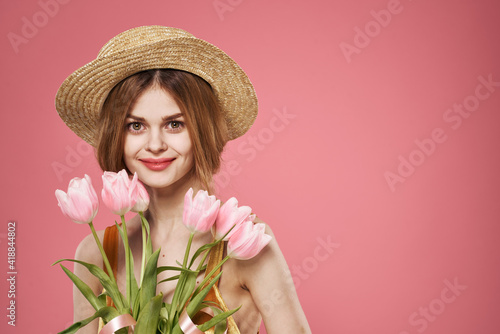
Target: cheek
[(187, 149), (183, 145), (129, 148)]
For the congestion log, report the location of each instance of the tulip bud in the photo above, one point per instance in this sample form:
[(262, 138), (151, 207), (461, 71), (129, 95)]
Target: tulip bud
[(200, 213), (247, 241), (230, 215), (80, 203), (119, 193), (142, 202)]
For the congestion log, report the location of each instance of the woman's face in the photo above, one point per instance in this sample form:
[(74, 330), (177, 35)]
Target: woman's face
[(157, 143)]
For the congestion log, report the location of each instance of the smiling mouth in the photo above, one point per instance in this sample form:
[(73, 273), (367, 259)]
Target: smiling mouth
[(156, 164)]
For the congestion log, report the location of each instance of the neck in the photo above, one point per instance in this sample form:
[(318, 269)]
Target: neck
[(166, 205)]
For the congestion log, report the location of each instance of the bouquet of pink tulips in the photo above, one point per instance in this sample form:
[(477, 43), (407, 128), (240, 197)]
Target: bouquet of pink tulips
[(141, 309)]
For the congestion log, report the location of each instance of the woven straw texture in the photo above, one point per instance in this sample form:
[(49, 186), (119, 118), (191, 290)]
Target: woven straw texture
[(81, 96)]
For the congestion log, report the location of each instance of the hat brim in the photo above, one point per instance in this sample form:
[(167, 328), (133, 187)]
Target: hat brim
[(81, 96)]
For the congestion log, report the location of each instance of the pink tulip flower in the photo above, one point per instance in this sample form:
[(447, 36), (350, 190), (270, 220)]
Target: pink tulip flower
[(230, 215), (80, 203), (142, 202), (119, 193), (247, 241), (200, 213)]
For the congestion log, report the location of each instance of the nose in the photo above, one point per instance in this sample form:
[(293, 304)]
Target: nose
[(156, 142)]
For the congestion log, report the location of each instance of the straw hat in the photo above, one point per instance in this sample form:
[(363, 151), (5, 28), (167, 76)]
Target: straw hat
[(82, 94)]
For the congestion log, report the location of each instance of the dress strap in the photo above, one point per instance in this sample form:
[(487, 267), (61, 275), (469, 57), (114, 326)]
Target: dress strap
[(110, 245), (216, 255)]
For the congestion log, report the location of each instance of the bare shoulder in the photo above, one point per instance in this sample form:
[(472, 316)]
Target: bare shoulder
[(268, 230), (269, 281), (268, 260)]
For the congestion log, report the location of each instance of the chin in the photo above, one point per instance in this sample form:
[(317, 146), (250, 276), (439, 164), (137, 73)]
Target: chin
[(162, 181), (157, 181)]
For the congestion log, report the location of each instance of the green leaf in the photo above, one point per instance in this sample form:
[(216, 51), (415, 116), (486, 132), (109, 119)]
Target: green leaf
[(207, 246), (149, 245), (163, 322), (136, 305), (133, 283), (221, 326), (111, 287), (210, 275), (148, 288), (196, 302), (215, 320), (170, 279), (85, 290), (102, 298), (164, 268), (105, 312), (199, 251), (187, 291), (149, 317), (174, 307), (164, 311)]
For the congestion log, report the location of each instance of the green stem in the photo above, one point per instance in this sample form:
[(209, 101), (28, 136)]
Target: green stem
[(203, 260), (209, 276), (144, 240), (103, 253), (175, 299), (188, 248), (179, 289), (127, 259)]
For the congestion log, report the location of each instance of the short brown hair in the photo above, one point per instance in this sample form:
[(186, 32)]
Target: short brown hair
[(195, 98)]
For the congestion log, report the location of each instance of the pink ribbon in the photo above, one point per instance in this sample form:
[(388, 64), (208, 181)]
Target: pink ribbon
[(117, 323), (187, 325)]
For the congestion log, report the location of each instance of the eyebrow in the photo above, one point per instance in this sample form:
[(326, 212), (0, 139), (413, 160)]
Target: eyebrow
[(164, 119)]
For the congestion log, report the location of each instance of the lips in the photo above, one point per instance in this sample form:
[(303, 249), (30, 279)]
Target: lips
[(157, 164)]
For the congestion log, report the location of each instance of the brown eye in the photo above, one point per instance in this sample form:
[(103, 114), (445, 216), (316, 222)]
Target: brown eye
[(175, 126), (135, 126)]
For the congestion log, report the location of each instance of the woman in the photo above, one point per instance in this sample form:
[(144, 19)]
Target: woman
[(162, 103)]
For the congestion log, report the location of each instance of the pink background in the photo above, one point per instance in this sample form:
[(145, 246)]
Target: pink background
[(318, 175)]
